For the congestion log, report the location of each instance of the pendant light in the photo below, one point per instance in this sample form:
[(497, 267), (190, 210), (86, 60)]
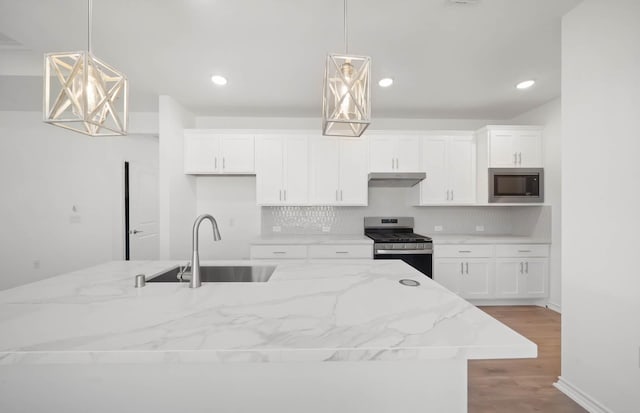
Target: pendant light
[(84, 94), (346, 97)]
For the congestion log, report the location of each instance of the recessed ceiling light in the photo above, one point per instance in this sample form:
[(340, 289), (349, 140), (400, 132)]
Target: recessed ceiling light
[(219, 80), (526, 84), (386, 82)]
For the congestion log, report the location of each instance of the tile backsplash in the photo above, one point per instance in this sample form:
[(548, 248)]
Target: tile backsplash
[(389, 202)]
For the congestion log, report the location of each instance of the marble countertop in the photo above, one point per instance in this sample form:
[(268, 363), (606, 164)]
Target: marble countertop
[(347, 311), (350, 239), (487, 239)]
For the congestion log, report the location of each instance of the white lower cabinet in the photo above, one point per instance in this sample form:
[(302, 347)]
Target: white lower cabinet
[(312, 251), (522, 278), (278, 252), (513, 272), (469, 278)]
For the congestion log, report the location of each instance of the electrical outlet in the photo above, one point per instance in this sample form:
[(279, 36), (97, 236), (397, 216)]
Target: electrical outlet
[(326, 229), (438, 228), (276, 228), (74, 219), (479, 228)]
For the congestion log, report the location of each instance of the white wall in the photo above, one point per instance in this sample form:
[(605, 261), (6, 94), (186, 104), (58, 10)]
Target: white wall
[(177, 191), (45, 171), (232, 201), (601, 202), (549, 115)]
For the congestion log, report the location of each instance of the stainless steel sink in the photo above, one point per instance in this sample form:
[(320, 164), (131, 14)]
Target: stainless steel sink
[(219, 274)]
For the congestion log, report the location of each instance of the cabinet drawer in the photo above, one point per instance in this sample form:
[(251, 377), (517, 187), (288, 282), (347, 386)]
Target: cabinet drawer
[(278, 252), (340, 251), (463, 251), (522, 250)]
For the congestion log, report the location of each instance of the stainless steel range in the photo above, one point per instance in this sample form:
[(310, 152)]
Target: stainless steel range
[(394, 239)]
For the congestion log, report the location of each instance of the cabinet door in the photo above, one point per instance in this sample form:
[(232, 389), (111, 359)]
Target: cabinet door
[(502, 153), (407, 154), (382, 154), (354, 188), (447, 273), (296, 167), (269, 170), (325, 171), (201, 153), (476, 280), (535, 279), (508, 277), (461, 169), (237, 154), (529, 148), (434, 162)]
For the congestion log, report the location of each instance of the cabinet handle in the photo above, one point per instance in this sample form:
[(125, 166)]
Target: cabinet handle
[(223, 163), (280, 191), (521, 268), (279, 252), (467, 265), (515, 158), (342, 252), (526, 267), (447, 194), (337, 199), (520, 158), (393, 163), (341, 198), (285, 194), (461, 268), (215, 163), (524, 250), (452, 194), (464, 251), (397, 163)]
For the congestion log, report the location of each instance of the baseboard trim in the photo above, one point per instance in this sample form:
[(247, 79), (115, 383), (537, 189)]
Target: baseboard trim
[(554, 307), (580, 397)]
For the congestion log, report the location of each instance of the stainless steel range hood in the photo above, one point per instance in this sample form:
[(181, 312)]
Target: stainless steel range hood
[(395, 179)]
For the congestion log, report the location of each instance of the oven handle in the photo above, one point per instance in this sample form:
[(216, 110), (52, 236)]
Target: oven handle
[(404, 252)]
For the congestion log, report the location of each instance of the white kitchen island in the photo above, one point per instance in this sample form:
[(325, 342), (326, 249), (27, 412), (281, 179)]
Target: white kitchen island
[(317, 337)]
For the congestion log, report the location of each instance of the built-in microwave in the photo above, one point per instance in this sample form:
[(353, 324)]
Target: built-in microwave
[(516, 185)]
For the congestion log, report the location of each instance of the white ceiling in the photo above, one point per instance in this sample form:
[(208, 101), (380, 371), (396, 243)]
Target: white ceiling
[(447, 60)]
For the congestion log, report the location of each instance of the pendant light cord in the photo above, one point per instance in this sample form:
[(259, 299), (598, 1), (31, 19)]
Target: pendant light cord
[(346, 39), (89, 17)]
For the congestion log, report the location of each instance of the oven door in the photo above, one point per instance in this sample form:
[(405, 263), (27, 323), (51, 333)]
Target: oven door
[(421, 260)]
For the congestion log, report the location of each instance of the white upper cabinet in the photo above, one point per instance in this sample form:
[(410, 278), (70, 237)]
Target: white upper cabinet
[(515, 148), (206, 152), (281, 170), (394, 153), (450, 165), (339, 171)]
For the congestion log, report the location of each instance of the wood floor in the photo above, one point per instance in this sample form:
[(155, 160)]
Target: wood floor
[(522, 386)]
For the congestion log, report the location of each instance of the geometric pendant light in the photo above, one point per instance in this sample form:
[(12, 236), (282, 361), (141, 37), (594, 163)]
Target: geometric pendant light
[(84, 94), (346, 97)]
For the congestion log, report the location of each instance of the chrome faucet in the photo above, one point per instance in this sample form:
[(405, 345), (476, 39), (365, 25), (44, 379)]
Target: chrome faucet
[(195, 258)]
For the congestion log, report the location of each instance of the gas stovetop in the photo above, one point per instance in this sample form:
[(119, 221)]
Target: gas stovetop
[(393, 237)]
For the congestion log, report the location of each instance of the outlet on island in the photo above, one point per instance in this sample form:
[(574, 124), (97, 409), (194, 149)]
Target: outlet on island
[(479, 228), (438, 228)]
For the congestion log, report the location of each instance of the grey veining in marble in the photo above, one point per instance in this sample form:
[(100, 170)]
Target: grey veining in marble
[(306, 312)]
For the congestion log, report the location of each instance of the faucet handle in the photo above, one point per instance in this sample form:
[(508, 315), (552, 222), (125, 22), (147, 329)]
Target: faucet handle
[(182, 272)]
